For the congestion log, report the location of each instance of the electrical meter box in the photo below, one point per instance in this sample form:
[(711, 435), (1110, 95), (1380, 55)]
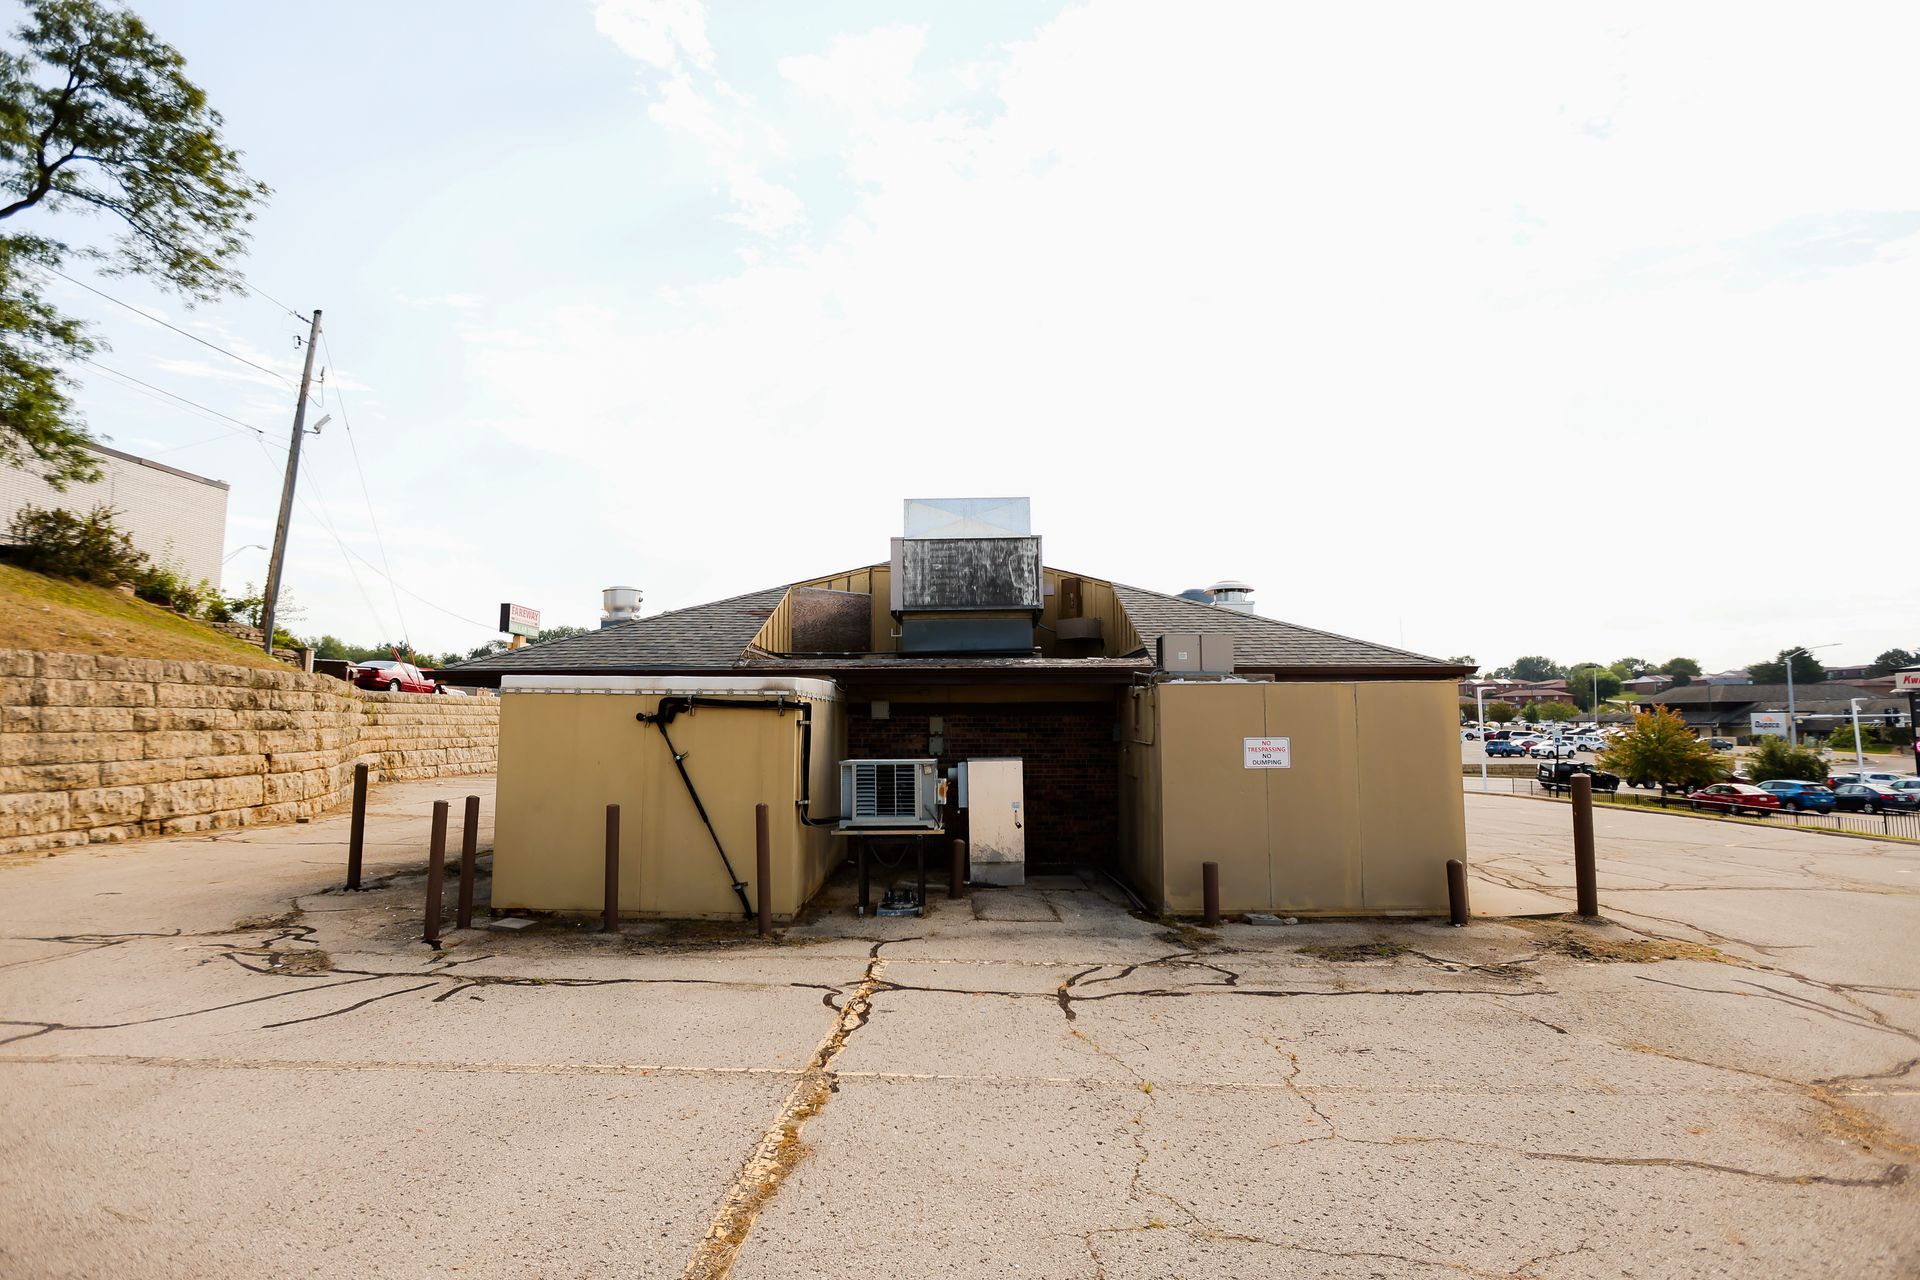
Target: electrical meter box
[(993, 794)]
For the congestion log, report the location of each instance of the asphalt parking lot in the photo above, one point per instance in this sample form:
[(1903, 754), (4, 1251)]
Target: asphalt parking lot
[(213, 1066)]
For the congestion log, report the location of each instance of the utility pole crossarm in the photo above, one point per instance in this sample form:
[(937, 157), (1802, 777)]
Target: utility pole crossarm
[(271, 602)]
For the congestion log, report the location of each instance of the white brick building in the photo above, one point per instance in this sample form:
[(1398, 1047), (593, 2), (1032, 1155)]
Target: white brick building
[(179, 519)]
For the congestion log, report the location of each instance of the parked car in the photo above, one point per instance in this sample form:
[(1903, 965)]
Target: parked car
[(1590, 742), (1559, 776), (1875, 797), (1873, 777), (1502, 747), (1720, 744), (1551, 749), (1796, 796), (393, 676), (1469, 735), (1735, 797)]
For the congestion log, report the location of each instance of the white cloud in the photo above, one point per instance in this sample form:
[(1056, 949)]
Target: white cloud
[(669, 38), (660, 33), (864, 73), (1330, 300)]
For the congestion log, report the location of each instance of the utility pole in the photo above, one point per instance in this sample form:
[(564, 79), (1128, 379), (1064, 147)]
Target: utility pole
[(272, 600)]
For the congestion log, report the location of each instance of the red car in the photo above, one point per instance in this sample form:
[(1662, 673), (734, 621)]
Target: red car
[(393, 676), (1735, 797)]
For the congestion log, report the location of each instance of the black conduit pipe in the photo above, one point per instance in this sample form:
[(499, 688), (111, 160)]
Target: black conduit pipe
[(673, 707)]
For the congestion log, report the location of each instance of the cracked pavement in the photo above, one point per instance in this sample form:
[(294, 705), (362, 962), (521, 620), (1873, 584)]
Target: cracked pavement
[(211, 1064)]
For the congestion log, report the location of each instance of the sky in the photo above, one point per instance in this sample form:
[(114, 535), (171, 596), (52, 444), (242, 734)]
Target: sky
[(1478, 329)]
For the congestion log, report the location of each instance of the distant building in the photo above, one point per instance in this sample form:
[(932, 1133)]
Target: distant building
[(177, 518), (1726, 677), (1652, 682), (1820, 707)]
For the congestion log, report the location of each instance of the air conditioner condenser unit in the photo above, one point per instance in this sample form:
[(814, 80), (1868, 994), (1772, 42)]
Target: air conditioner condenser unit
[(892, 793)]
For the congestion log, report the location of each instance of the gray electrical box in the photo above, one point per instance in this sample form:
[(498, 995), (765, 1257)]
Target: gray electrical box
[(1216, 653), (1180, 651)]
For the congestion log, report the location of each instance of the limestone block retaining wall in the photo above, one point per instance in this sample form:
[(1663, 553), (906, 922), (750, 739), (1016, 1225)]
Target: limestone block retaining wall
[(96, 748)]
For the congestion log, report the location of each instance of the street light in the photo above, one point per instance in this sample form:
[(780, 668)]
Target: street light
[(1859, 752), (251, 546), (1793, 724), (1480, 713)]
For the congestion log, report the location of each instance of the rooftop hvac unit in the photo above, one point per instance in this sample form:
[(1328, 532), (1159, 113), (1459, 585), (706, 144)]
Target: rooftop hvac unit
[(891, 793)]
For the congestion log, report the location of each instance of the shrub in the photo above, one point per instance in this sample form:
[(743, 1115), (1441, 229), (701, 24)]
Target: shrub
[(1777, 758), (87, 548), (1661, 748), (166, 586)]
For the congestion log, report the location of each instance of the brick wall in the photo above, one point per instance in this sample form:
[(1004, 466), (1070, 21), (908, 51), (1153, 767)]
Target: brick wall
[(96, 748), (177, 518), (1071, 764)]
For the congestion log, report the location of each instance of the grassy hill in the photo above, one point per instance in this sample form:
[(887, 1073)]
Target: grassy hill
[(38, 612)]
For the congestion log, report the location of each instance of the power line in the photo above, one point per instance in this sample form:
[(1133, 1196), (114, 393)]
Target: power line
[(345, 555), (212, 346), (267, 297), (379, 541), (174, 396)]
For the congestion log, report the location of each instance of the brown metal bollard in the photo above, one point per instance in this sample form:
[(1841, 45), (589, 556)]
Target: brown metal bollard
[(957, 873), (610, 908), (1585, 879), (469, 855), (1457, 892), (763, 870), (357, 833), (436, 872), (1210, 894)]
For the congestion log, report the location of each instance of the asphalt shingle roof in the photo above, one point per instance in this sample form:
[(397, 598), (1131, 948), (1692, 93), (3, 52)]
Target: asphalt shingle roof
[(716, 636), (702, 637), (1264, 643)]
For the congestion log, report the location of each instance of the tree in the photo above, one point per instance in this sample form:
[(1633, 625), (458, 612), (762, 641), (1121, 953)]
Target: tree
[(1806, 669), (1891, 661), (1464, 660), (1660, 748), (98, 116), (1533, 668), (1551, 712), (1629, 668), (1502, 712), (1843, 739), (1776, 758), (1582, 678), (1683, 671), (539, 637)]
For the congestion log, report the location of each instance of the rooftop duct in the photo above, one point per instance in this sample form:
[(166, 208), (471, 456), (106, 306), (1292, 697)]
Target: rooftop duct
[(620, 604), (967, 576)]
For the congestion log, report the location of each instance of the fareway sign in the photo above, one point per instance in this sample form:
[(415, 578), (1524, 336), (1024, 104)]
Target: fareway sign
[(519, 620), (1269, 753)]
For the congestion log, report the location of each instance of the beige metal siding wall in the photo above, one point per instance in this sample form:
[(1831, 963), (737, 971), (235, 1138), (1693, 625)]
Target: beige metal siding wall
[(1097, 600), (1363, 822), (776, 633), (565, 756)]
